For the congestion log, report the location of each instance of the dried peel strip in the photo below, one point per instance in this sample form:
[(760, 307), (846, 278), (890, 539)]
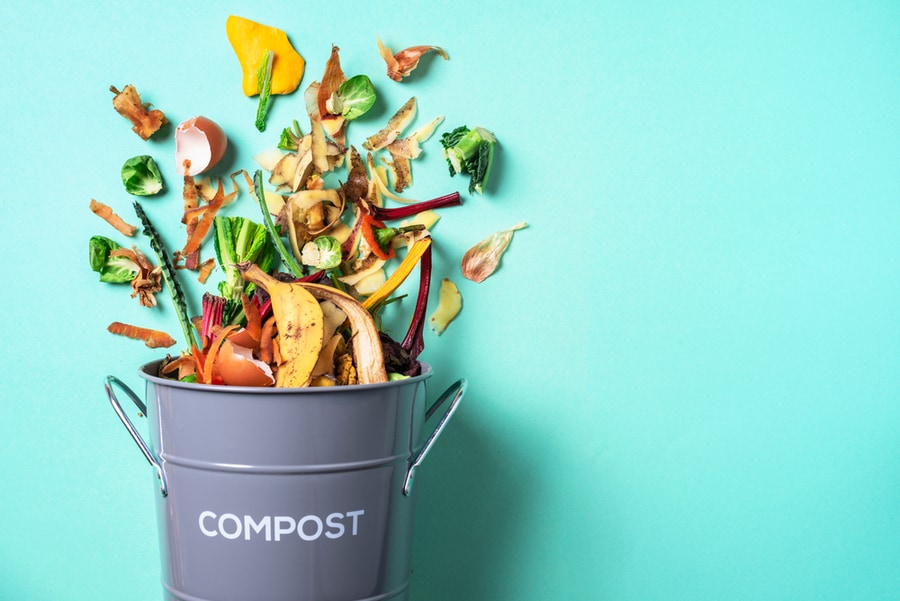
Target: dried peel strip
[(106, 213), (152, 338)]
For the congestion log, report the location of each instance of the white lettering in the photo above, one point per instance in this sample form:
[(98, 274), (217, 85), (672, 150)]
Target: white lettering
[(309, 527), (251, 526), (229, 517), (302, 532), (333, 521), (354, 515), (203, 528), (289, 525)]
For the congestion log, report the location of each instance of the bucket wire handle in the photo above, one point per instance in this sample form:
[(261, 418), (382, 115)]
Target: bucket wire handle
[(148, 454), (457, 389)]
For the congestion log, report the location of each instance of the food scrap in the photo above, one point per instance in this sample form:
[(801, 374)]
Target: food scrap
[(199, 144), (141, 176), (106, 213), (304, 293), (264, 82), (470, 151), (403, 63), (148, 279), (117, 265), (145, 122), (395, 126), (113, 269), (152, 338), (250, 41), (482, 260), (449, 306)]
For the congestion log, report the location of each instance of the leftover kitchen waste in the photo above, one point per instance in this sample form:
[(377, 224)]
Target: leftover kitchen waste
[(303, 287)]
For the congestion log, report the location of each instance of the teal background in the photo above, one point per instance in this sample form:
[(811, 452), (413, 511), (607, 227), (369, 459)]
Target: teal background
[(683, 378)]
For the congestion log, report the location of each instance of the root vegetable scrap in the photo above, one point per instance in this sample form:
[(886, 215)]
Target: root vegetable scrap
[(106, 213), (145, 122), (152, 338)]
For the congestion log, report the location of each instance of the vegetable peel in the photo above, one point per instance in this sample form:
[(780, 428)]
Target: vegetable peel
[(106, 213), (250, 40), (403, 63), (449, 306), (152, 338), (480, 261), (145, 121)]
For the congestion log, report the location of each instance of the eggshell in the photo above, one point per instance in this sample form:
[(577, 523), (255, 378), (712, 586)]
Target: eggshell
[(243, 338), (237, 367), (201, 141)]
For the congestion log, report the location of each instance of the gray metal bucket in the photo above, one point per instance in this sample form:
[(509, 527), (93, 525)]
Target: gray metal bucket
[(273, 494)]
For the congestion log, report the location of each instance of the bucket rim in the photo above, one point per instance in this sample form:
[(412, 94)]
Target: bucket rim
[(148, 370)]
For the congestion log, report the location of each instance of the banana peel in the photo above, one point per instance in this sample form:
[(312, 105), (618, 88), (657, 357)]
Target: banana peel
[(300, 323), (368, 354)]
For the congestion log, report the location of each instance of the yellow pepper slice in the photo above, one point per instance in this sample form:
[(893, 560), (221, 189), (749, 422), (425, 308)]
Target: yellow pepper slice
[(400, 274), (250, 40)]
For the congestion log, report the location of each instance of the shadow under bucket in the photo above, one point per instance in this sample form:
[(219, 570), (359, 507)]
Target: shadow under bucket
[(285, 494)]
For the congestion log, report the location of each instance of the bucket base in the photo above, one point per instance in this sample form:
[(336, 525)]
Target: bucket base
[(401, 594)]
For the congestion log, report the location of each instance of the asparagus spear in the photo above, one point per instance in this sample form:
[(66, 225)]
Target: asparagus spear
[(168, 274)]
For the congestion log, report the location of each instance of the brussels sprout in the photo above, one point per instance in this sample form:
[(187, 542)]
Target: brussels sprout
[(113, 270), (141, 176), (322, 253), (354, 98)]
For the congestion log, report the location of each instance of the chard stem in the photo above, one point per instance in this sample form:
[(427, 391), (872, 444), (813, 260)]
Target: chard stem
[(390, 213)]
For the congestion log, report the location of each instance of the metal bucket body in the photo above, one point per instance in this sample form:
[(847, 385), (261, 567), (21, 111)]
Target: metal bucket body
[(286, 494)]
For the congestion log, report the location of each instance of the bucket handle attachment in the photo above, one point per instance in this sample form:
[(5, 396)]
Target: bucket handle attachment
[(110, 380), (457, 390)]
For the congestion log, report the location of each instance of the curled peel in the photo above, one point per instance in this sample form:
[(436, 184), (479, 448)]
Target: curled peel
[(300, 323), (367, 350), (403, 63)]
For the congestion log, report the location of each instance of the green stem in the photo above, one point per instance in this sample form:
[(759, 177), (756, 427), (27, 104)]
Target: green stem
[(264, 79), (286, 256)]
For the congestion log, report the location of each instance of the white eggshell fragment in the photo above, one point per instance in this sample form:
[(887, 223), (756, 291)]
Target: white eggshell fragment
[(200, 141)]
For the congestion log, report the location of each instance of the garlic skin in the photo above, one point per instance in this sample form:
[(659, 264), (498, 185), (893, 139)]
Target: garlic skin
[(482, 260)]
